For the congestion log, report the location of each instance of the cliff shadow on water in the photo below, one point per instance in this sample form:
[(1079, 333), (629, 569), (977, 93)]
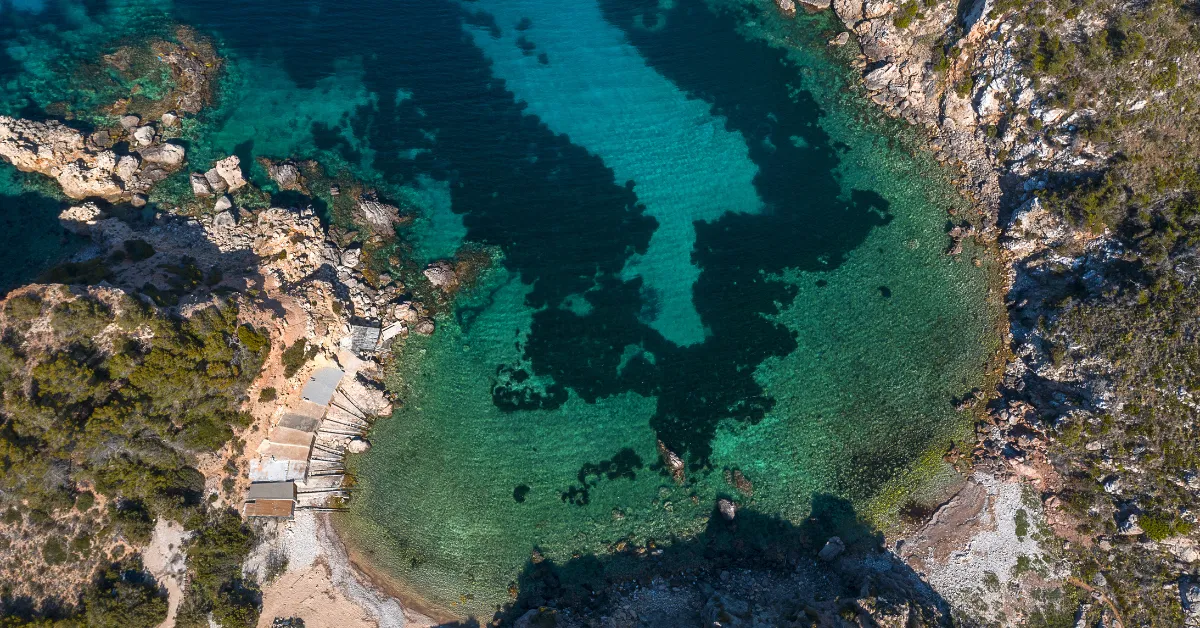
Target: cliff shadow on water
[(754, 568)]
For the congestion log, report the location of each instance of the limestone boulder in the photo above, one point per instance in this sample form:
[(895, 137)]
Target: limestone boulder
[(230, 170), (143, 135), (441, 274), (200, 185), (80, 217), (169, 155), (286, 175), (833, 548)]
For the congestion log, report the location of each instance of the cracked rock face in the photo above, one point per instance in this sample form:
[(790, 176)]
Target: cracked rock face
[(381, 216)]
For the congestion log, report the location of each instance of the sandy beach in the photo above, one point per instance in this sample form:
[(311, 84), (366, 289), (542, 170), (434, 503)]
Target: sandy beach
[(321, 584)]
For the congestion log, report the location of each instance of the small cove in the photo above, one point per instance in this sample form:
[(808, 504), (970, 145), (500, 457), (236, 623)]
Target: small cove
[(703, 243)]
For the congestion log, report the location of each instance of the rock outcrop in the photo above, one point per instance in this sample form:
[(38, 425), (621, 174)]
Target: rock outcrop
[(82, 169), (224, 176)]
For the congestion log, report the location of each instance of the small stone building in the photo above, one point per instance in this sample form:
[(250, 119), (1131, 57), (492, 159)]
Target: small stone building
[(271, 499)]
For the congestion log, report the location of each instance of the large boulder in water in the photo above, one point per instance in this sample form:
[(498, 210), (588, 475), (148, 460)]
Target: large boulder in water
[(170, 155)]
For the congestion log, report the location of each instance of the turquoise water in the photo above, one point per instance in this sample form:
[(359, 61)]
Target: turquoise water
[(704, 241)]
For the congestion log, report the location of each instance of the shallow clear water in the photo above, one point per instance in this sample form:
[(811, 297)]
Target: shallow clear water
[(705, 242)]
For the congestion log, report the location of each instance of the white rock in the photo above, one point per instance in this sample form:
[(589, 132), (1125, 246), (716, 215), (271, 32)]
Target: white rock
[(727, 509), (440, 274), (406, 313), (143, 135), (1130, 527), (224, 220), (881, 77), (126, 168), (200, 185), (216, 182), (788, 7), (231, 171), (351, 258), (78, 218), (358, 445), (169, 119), (168, 154), (223, 204), (130, 121)]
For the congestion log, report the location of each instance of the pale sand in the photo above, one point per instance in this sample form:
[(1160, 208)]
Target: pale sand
[(311, 595), (164, 559), (322, 586)]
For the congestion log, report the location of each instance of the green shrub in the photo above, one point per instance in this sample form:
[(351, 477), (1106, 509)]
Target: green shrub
[(12, 516), (215, 557), (23, 308), (905, 15), (85, 500), (1021, 519), (296, 356), (124, 596), (267, 395), (253, 340), (54, 551)]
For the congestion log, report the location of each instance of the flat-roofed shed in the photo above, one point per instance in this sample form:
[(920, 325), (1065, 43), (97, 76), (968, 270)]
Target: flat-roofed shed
[(320, 387)]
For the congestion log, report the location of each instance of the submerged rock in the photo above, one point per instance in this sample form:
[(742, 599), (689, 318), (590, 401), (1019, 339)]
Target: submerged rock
[(286, 175), (440, 274), (672, 461), (727, 509)]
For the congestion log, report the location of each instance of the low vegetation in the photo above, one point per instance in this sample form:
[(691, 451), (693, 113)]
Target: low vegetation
[(106, 396), (1122, 334)]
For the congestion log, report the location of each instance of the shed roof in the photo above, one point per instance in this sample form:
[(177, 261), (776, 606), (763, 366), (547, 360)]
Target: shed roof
[(363, 338), (269, 508), (321, 385), (285, 451), (284, 435), (270, 469), (272, 490), (301, 422)]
